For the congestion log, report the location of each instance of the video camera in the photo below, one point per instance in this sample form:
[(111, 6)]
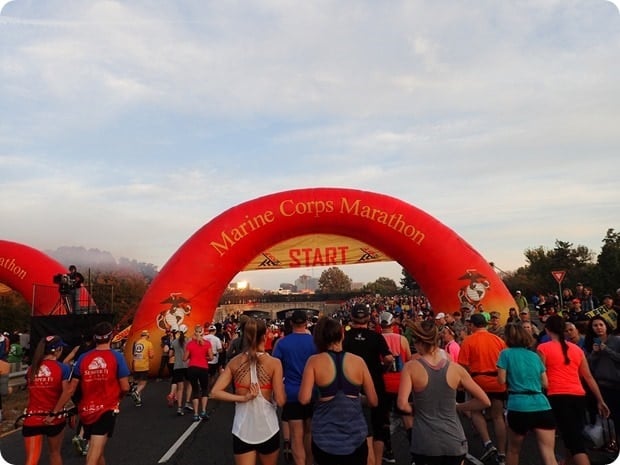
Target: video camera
[(65, 283)]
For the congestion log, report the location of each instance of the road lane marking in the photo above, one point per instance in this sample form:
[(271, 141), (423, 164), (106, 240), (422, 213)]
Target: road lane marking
[(178, 442)]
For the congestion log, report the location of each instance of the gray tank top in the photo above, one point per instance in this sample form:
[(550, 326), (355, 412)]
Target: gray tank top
[(437, 429)]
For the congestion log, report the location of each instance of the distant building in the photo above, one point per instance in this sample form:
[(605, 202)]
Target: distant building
[(306, 283), (287, 288), (356, 286)]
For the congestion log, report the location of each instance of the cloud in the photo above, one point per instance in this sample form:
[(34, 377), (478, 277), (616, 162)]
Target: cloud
[(151, 120)]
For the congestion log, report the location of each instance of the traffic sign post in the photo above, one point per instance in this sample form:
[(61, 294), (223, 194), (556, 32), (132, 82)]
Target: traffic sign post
[(559, 277)]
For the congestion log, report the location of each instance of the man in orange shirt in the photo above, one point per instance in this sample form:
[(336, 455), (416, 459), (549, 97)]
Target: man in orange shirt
[(479, 354)]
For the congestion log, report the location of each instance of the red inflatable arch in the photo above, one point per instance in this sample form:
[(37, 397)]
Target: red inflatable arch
[(22, 267), (189, 286)]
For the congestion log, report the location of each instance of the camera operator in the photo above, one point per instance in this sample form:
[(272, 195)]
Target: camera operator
[(69, 288), (75, 279)]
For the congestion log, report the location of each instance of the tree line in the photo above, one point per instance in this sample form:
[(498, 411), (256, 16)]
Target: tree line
[(130, 280)]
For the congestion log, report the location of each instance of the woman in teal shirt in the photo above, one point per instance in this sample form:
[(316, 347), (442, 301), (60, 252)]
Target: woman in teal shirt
[(528, 408)]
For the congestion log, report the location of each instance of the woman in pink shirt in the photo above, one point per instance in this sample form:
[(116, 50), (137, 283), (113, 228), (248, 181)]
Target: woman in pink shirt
[(198, 352), (451, 347), (566, 364)]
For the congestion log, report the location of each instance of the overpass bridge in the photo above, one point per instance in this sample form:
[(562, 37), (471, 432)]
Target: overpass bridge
[(272, 308)]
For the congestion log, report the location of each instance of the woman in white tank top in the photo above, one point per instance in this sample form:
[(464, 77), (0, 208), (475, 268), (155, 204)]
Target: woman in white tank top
[(259, 389)]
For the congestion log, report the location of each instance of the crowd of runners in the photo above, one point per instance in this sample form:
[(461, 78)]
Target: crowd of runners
[(330, 389)]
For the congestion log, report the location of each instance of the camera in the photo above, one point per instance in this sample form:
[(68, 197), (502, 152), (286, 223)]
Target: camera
[(65, 283)]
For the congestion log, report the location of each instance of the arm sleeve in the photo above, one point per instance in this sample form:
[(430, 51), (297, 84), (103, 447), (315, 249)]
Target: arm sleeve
[(502, 361), (123, 369)]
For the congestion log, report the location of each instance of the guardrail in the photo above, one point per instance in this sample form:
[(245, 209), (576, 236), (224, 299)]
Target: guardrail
[(11, 381), (18, 374)]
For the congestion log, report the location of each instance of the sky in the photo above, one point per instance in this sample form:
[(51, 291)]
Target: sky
[(125, 126)]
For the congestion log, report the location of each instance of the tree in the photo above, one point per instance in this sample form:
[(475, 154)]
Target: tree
[(382, 286), (408, 283), (608, 264), (333, 281), (121, 292), (15, 312), (576, 261)]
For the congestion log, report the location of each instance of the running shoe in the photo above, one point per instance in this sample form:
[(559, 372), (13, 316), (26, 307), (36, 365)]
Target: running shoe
[(77, 444), (188, 407), (286, 450), (84, 447), (388, 456), (196, 418), (180, 412), (135, 396), (489, 454), (204, 416), (170, 399)]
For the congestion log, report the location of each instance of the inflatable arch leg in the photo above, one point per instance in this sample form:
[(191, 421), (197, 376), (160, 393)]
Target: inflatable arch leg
[(22, 267)]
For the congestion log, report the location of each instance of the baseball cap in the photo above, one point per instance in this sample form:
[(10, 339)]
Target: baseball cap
[(53, 343), (478, 320), (144, 333), (360, 311), (524, 310), (299, 317), (440, 315), (518, 292), (386, 319), (576, 301), (212, 328), (183, 328)]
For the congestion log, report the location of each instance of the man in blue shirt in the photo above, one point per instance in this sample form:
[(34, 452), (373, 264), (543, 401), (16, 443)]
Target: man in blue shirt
[(293, 351)]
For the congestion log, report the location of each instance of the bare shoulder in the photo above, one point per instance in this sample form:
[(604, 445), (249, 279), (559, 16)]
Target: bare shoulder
[(236, 361), (272, 362), (353, 358), (412, 364)]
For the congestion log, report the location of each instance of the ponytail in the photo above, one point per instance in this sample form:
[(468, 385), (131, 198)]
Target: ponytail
[(564, 349), (37, 359), (555, 324), (253, 333)]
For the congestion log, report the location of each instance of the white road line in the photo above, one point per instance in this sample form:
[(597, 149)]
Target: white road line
[(178, 443), (473, 460)]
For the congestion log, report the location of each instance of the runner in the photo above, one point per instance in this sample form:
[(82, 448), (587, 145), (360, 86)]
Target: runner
[(479, 354), (198, 353), (258, 380), (142, 354), (294, 351), (49, 391), (372, 347), (437, 436), (103, 377), (218, 348), (528, 408), (180, 381), (339, 430)]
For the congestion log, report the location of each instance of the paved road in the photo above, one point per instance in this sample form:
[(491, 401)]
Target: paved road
[(144, 436)]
